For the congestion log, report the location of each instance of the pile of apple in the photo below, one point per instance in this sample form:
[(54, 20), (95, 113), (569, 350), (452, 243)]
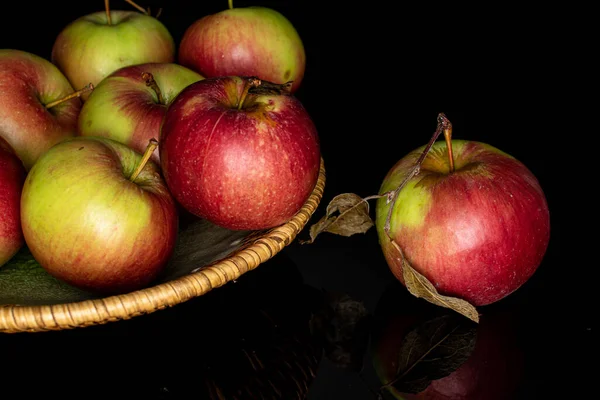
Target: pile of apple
[(100, 152)]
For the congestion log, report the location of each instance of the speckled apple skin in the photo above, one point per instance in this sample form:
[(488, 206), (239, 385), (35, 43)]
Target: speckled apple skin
[(245, 41), (245, 169), (89, 225), (122, 107), (27, 83), (478, 233)]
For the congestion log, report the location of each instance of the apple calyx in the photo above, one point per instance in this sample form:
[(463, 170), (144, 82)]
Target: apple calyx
[(150, 82), (152, 145), (89, 87)]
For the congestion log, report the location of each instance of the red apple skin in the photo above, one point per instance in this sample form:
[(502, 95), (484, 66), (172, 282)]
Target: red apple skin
[(12, 175), (122, 107), (245, 169), (478, 233), (88, 225), (245, 41), (27, 83)]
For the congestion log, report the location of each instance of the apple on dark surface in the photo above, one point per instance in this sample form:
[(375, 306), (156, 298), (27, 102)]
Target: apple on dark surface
[(474, 220), (34, 104), (93, 46), (129, 104), (239, 152), (12, 175), (92, 218), (245, 41)]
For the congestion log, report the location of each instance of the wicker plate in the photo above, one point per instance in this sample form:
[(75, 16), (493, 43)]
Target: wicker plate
[(194, 270)]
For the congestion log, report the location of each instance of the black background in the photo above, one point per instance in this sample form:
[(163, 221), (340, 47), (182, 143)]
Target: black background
[(377, 76)]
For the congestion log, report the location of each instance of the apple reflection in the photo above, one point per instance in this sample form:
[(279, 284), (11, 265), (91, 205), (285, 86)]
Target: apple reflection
[(491, 366), (260, 337)]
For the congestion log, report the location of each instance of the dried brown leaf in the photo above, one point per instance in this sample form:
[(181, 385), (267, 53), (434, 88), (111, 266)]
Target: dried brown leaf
[(353, 217), (419, 286)]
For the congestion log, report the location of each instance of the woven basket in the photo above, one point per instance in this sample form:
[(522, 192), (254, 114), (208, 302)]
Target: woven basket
[(256, 249)]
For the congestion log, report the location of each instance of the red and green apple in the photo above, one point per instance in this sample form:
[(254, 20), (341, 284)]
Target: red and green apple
[(92, 218), (245, 41), (129, 104), (93, 46), (474, 221), (35, 105)]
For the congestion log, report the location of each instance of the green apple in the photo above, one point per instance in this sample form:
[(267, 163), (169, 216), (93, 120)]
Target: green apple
[(94, 45), (129, 104), (33, 115), (93, 220)]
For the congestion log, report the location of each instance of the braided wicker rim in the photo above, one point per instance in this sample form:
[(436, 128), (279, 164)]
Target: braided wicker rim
[(100, 311)]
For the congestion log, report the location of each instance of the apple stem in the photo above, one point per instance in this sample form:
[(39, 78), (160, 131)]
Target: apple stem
[(230, 2), (448, 137), (78, 93), (107, 8), (149, 78), (152, 144), (138, 7), (443, 125), (251, 82)]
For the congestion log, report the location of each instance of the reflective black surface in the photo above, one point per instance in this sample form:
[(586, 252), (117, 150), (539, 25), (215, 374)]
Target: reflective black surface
[(312, 322)]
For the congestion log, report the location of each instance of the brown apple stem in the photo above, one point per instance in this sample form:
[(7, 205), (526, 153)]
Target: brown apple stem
[(448, 137), (138, 7), (251, 82), (149, 78), (78, 93), (443, 124), (230, 2), (107, 8), (152, 144)]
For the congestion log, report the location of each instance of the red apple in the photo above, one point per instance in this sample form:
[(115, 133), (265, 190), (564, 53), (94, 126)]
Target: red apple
[(90, 220), (476, 231), (12, 175), (129, 104), (239, 155), (93, 46), (245, 41), (29, 86)]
